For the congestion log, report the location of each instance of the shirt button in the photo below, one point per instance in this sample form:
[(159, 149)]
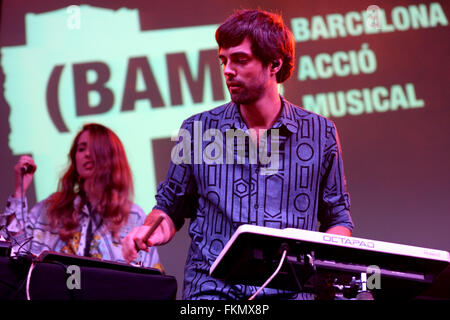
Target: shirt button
[(256, 206)]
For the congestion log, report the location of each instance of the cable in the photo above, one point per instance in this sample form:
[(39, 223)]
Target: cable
[(24, 243), (294, 273), (11, 285), (18, 289), (22, 199), (271, 277), (20, 261), (315, 277), (23, 222), (16, 243), (33, 264)]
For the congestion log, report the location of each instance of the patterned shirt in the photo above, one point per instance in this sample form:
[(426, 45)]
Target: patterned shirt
[(307, 186), (31, 232)]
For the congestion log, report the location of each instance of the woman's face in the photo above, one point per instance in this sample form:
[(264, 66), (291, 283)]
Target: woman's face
[(84, 163)]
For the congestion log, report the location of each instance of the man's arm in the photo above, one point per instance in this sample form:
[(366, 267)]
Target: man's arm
[(139, 239), (174, 202), (334, 206), (340, 230)]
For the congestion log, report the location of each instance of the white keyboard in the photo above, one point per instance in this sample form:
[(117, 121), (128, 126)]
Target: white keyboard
[(333, 240)]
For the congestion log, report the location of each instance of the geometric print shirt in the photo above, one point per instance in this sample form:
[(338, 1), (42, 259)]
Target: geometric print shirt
[(221, 186)]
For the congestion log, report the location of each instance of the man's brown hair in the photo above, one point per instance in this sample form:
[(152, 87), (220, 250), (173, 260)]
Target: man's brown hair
[(270, 38)]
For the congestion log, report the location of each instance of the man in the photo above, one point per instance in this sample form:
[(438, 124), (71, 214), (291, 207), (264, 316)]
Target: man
[(305, 185)]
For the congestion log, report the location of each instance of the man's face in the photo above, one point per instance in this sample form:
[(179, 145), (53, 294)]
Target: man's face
[(246, 77)]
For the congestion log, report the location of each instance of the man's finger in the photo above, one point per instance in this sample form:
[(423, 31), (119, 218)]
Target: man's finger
[(128, 246), (155, 224), (139, 238), (140, 245)]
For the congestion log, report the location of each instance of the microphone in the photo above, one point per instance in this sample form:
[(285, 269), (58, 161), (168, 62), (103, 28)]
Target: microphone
[(27, 168)]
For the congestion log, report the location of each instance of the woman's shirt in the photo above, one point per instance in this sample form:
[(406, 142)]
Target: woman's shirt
[(31, 232)]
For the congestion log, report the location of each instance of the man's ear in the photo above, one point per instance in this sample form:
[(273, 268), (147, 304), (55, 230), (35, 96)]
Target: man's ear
[(276, 65)]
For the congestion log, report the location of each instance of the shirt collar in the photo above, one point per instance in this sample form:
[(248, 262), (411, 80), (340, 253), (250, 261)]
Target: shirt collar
[(84, 212), (287, 117), (233, 119)]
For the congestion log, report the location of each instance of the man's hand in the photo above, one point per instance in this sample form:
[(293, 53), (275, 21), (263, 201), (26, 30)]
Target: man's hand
[(137, 238), (340, 230)]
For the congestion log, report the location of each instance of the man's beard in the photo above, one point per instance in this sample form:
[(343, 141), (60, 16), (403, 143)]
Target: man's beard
[(248, 95)]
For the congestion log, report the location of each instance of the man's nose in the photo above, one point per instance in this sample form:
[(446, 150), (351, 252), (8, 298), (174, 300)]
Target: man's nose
[(228, 71)]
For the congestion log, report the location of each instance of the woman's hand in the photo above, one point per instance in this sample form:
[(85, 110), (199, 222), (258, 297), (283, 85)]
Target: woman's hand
[(25, 168)]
